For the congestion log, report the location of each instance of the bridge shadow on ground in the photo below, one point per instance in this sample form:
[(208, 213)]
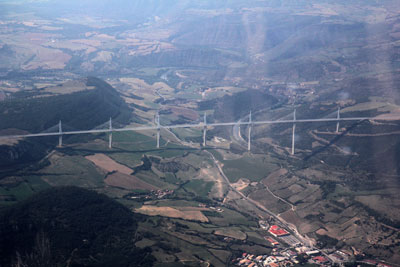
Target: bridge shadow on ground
[(332, 142)]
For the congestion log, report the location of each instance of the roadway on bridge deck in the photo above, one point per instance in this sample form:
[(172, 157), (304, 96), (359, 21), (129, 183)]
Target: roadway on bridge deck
[(197, 125)]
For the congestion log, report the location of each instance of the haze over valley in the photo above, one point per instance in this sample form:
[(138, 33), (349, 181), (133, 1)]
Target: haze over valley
[(195, 201)]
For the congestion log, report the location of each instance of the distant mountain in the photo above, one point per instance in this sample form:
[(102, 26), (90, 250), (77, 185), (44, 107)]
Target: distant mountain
[(70, 226), (134, 11)]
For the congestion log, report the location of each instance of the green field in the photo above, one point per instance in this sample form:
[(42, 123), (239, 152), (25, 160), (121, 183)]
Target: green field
[(72, 170), (230, 218), (252, 168), (187, 134), (199, 187)]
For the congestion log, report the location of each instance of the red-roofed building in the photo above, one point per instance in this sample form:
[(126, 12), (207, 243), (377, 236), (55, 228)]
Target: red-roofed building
[(244, 262), (276, 231), (320, 260), (272, 241), (258, 258)]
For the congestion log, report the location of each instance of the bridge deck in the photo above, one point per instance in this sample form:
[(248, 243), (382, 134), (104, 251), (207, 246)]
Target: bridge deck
[(197, 125)]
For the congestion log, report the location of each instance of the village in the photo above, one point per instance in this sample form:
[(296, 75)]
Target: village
[(289, 251), (282, 256), (152, 195)]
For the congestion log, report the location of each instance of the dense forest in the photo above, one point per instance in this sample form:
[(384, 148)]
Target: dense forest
[(70, 226)]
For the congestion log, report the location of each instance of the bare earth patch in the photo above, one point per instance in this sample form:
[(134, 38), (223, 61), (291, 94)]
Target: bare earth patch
[(211, 174), (9, 141), (194, 215), (48, 59), (108, 164), (241, 184), (127, 181), (69, 87)]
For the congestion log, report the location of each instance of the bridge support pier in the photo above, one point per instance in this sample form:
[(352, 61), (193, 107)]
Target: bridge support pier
[(205, 131), (60, 139), (249, 134), (293, 131), (110, 135), (204, 136), (158, 130), (158, 138), (338, 118)]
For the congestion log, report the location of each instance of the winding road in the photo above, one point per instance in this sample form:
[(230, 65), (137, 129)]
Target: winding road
[(304, 240)]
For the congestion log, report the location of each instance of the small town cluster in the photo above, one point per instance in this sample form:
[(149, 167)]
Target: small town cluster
[(153, 194), (296, 253)]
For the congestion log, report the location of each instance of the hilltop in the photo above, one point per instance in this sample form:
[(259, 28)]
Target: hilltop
[(70, 225), (89, 103), (82, 104)]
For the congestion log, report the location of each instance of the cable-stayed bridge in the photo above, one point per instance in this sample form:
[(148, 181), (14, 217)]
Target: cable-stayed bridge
[(58, 129)]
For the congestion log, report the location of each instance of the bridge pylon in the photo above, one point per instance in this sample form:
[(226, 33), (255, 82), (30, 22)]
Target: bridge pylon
[(205, 130), (60, 138), (338, 118), (293, 130), (249, 133), (110, 135), (158, 129)]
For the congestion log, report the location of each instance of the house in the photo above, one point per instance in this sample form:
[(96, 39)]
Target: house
[(276, 231), (272, 241), (320, 260), (263, 224), (273, 259), (244, 262), (258, 258), (342, 253), (292, 253), (313, 252), (337, 257), (269, 260), (286, 264)]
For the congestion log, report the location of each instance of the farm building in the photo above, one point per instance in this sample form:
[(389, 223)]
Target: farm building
[(276, 231)]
